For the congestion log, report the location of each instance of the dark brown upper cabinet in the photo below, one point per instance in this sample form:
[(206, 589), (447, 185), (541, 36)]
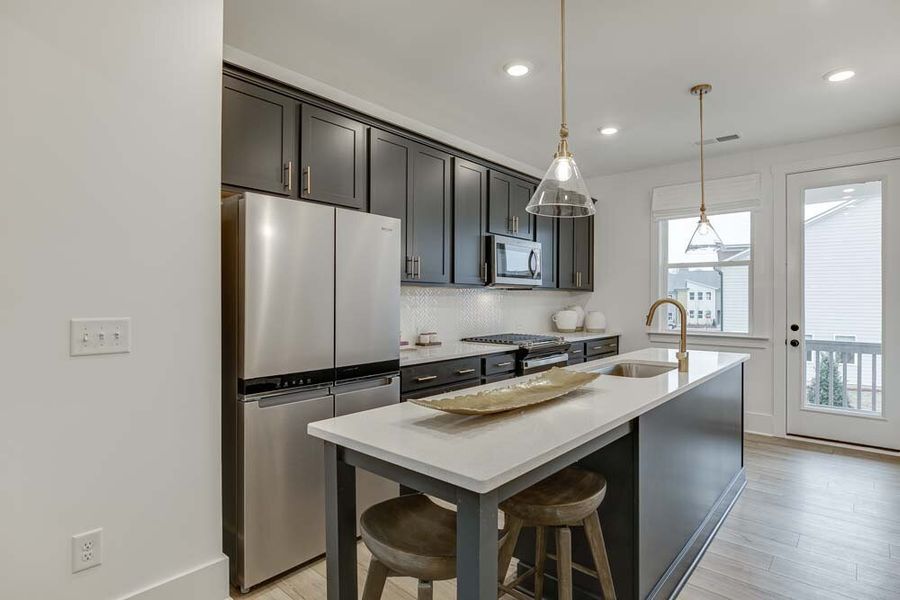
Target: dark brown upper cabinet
[(576, 260), (259, 142), (411, 182), (506, 206), (546, 231), (470, 184), (333, 155)]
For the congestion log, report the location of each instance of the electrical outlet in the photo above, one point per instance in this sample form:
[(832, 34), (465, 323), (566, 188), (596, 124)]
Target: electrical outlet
[(87, 550), (99, 336)]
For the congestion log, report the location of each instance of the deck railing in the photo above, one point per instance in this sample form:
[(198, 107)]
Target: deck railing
[(844, 375)]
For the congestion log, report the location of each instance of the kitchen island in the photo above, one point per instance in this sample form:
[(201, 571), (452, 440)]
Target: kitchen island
[(670, 446)]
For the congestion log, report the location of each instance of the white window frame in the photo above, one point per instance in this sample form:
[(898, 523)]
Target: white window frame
[(723, 196)]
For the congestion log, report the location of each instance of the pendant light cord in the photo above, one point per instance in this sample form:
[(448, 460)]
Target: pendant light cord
[(564, 127), (702, 175)]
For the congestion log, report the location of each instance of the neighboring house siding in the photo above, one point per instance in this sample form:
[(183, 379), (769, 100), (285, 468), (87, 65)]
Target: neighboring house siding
[(843, 278), (735, 298)]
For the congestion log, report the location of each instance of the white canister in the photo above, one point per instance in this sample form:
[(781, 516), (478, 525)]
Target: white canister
[(566, 321), (595, 322), (578, 311)]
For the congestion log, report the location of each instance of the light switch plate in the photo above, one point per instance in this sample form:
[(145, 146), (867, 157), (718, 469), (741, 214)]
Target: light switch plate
[(99, 336)]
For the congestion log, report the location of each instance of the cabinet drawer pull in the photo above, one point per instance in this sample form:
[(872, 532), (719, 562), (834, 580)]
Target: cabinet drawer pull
[(308, 179), (426, 378), (465, 371), (574, 351), (603, 346), (503, 364)]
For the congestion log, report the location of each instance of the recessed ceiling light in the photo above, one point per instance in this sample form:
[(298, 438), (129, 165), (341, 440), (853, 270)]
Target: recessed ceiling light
[(609, 130), (517, 68), (838, 75), (849, 190)]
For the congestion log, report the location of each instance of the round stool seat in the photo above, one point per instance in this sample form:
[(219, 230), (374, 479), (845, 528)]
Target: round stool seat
[(564, 498), (412, 536)]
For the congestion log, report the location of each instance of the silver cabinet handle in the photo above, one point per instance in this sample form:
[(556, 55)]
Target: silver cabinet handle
[(417, 267), (465, 371), (575, 351), (515, 224), (308, 179), (503, 364), (484, 271), (289, 170), (409, 272), (426, 378)]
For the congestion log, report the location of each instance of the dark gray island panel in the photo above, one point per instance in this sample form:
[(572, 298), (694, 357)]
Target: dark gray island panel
[(690, 456)]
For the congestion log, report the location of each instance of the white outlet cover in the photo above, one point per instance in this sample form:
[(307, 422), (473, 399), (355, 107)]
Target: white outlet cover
[(99, 336), (87, 550)]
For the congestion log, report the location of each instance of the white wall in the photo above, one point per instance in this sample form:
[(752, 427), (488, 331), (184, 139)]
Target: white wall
[(464, 312), (625, 267), (109, 163)]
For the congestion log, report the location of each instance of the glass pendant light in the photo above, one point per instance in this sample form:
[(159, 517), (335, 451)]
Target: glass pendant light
[(562, 192), (705, 239)]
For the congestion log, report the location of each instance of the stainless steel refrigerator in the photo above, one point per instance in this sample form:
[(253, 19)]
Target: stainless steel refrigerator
[(310, 330)]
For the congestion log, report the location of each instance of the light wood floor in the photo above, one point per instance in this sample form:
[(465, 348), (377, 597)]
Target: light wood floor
[(814, 522)]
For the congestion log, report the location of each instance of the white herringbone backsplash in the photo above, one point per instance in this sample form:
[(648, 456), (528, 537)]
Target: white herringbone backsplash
[(455, 313)]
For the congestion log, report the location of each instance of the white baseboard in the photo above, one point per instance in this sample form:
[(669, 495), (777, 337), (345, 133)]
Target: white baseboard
[(205, 582), (760, 423)]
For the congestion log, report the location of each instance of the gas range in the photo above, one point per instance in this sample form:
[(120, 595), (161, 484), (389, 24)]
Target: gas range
[(535, 352)]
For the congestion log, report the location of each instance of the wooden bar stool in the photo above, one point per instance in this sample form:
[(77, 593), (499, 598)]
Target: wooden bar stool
[(567, 499), (409, 536)]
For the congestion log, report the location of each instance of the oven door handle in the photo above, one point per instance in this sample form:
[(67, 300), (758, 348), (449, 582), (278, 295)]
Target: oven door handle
[(542, 362)]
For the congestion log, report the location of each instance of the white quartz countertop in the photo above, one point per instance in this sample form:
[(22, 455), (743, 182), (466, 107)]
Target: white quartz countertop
[(481, 453), (448, 350), (417, 355)]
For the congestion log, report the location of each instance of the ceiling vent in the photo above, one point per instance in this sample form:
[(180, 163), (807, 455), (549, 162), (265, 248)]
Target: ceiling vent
[(718, 140)]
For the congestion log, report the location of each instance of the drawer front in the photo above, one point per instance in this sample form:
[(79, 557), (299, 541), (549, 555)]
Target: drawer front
[(594, 348), (576, 352), (435, 374), (498, 377), (441, 389), (494, 364)]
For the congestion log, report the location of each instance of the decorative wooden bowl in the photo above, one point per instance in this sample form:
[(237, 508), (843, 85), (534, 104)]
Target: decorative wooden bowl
[(540, 388)]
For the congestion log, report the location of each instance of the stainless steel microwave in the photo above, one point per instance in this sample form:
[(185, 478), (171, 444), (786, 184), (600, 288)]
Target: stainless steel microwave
[(513, 262)]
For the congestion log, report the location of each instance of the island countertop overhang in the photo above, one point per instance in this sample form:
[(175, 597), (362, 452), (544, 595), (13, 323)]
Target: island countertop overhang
[(483, 453)]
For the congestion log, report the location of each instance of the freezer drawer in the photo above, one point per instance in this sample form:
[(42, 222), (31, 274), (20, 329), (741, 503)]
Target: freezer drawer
[(357, 397), (281, 487)]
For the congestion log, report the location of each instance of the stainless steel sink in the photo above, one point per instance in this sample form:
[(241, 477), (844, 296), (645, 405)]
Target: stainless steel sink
[(634, 370)]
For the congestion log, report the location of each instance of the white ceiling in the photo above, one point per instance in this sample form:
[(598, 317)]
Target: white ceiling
[(631, 63)]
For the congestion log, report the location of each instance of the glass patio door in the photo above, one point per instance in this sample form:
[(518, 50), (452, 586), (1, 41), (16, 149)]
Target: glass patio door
[(843, 290)]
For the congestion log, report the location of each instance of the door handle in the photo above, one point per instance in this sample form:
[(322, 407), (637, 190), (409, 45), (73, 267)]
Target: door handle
[(409, 272), (795, 343), (465, 371), (503, 364), (289, 167), (484, 271), (426, 378), (417, 267), (308, 179)]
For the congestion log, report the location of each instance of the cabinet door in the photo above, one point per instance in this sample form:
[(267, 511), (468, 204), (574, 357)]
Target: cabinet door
[(430, 214), (498, 204), (519, 197), (545, 232), (333, 153), (576, 249), (390, 186), (258, 138), (584, 252), (469, 222)]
